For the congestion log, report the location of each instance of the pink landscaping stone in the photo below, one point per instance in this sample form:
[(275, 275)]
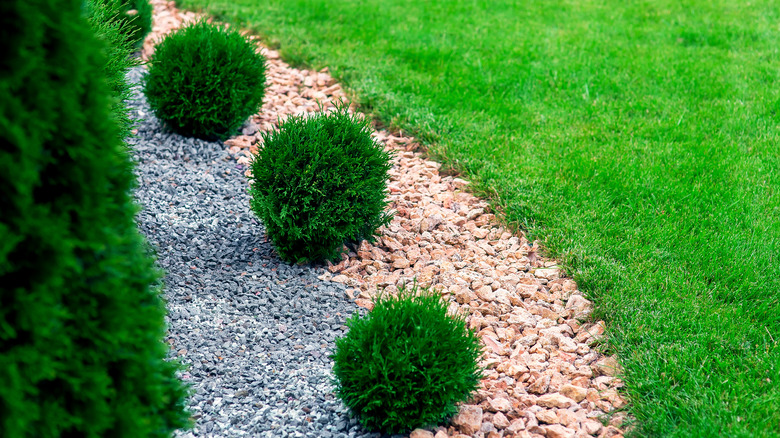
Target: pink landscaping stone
[(468, 419)]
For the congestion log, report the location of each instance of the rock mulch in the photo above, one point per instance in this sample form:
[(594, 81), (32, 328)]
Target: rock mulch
[(543, 375)]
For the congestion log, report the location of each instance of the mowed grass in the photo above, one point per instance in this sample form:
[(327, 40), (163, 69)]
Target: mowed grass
[(638, 139)]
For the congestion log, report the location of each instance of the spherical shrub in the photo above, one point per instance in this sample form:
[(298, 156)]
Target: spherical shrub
[(205, 80), (319, 182), (407, 363)]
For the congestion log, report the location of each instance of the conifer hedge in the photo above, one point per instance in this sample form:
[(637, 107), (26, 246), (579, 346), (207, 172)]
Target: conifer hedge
[(107, 19), (81, 322)]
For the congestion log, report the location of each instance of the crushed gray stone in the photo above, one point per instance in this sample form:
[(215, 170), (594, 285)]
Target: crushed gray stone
[(254, 332)]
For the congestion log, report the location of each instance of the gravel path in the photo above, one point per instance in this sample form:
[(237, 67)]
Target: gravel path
[(255, 332)]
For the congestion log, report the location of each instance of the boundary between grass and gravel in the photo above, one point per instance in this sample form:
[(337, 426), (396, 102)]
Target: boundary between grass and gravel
[(658, 201), (564, 369)]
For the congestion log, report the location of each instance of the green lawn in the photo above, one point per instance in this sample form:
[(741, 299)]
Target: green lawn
[(638, 139)]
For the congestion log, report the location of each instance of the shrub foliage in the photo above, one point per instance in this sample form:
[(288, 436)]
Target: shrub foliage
[(133, 18), (319, 182), (407, 363), (205, 80), (81, 322), (139, 20), (108, 24)]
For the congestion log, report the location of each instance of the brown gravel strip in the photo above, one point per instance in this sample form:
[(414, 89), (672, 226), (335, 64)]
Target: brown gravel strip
[(544, 378)]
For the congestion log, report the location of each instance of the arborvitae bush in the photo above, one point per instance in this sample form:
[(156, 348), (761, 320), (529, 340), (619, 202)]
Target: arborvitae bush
[(134, 17), (139, 19), (106, 19), (205, 80), (319, 182), (81, 320), (407, 363)]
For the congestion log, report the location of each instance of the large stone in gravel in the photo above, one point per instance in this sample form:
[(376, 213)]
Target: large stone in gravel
[(548, 273), (540, 385), (468, 419), (567, 345), (555, 400), (500, 420), (558, 431), (547, 416), (575, 393), (486, 293), (607, 366), (591, 426), (569, 418), (516, 425), (493, 344), (421, 433), (610, 432), (500, 404), (580, 306)]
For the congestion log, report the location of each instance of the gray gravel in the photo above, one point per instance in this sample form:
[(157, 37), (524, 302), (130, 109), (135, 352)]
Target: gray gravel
[(255, 332)]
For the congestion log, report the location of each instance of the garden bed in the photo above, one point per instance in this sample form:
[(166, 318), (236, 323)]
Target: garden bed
[(258, 331)]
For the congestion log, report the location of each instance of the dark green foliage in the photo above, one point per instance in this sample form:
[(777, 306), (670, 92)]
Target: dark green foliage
[(407, 363), (139, 13), (134, 17), (205, 80), (105, 17), (80, 320), (319, 182)]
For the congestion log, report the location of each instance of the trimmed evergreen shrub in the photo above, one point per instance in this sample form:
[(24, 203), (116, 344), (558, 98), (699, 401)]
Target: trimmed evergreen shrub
[(139, 19), (81, 320), (205, 80), (319, 182), (105, 17), (407, 363), (134, 17)]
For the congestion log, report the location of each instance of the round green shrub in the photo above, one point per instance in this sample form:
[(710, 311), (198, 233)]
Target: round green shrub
[(205, 80), (407, 363), (81, 319), (319, 182)]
